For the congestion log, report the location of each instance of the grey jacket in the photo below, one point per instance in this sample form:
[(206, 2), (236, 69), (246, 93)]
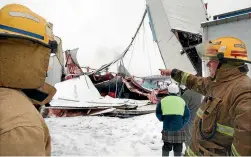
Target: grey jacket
[(193, 100)]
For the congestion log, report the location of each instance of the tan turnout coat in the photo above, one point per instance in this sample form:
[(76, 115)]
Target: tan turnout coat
[(23, 131), (222, 126)]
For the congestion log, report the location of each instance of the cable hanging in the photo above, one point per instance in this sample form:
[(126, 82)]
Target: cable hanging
[(125, 51)]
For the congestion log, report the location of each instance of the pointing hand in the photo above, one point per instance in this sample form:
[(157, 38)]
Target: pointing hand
[(166, 72)]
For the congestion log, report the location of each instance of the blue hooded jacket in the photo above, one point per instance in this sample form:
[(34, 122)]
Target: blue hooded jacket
[(173, 122)]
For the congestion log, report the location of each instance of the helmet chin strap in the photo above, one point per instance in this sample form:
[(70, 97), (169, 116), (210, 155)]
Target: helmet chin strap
[(221, 59)]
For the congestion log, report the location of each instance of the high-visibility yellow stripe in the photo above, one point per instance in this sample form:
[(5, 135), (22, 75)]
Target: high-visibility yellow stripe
[(190, 152), (225, 129), (199, 113), (235, 153), (184, 78), (229, 131)]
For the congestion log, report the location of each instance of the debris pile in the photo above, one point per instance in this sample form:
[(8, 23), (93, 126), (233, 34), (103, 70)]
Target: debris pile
[(78, 96)]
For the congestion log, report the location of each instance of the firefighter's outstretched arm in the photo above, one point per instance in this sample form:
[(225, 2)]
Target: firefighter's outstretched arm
[(198, 84), (241, 145)]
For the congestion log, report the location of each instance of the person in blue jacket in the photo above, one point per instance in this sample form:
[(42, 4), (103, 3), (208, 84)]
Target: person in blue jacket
[(174, 113)]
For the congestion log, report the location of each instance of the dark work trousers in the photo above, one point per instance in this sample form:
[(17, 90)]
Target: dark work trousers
[(176, 147)]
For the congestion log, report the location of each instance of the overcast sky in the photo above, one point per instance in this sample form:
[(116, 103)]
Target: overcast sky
[(105, 27)]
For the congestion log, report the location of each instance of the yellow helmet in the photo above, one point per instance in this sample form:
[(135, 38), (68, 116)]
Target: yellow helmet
[(18, 21), (226, 48)]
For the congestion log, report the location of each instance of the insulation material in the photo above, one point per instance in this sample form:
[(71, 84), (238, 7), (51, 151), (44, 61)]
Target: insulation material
[(74, 53), (73, 67)]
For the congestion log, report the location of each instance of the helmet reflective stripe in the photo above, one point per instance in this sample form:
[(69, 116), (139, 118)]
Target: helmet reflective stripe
[(239, 53)]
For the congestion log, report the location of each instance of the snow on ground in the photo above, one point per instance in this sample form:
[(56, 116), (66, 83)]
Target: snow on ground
[(106, 136)]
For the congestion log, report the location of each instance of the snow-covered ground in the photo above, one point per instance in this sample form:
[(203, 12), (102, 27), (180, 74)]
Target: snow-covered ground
[(106, 136)]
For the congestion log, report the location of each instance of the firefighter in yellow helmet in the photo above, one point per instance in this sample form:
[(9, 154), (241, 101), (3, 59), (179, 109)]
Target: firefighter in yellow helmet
[(25, 46), (222, 126)]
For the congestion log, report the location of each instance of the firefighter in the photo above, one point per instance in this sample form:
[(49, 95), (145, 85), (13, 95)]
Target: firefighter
[(25, 47), (222, 126)]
